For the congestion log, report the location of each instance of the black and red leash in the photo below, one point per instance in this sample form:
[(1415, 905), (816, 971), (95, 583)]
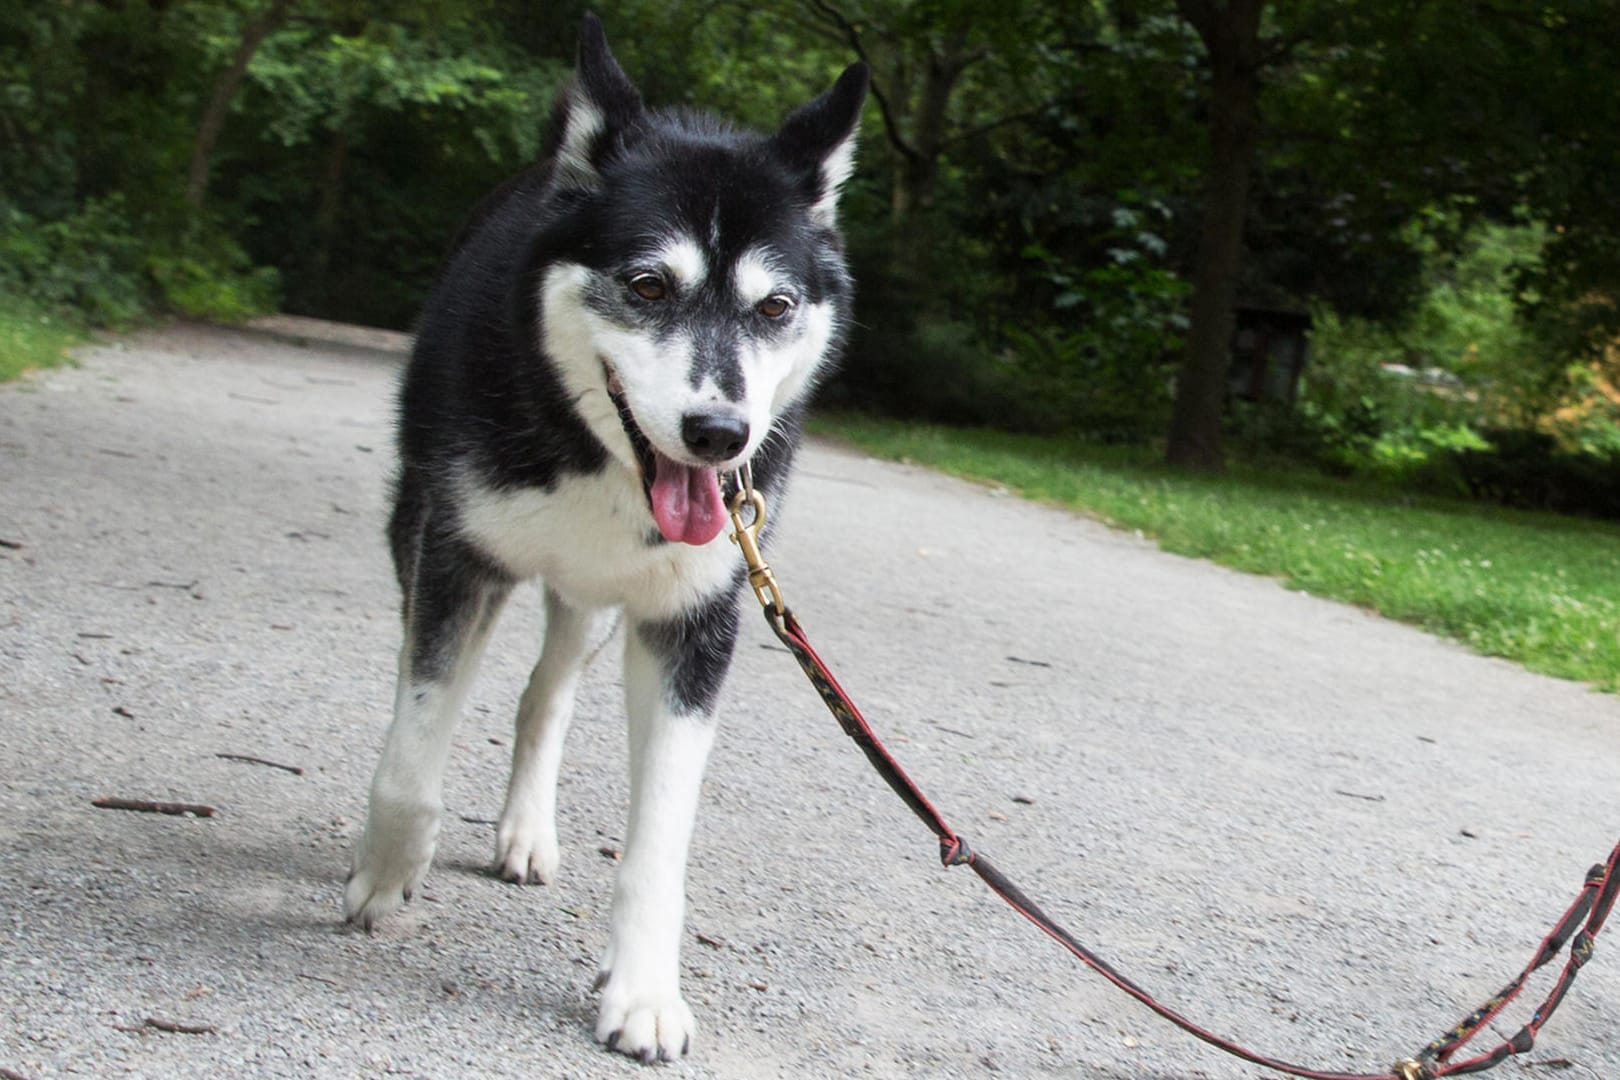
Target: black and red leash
[(1577, 927)]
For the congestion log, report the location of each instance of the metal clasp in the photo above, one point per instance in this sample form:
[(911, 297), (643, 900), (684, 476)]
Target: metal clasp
[(747, 538), (1411, 1069)]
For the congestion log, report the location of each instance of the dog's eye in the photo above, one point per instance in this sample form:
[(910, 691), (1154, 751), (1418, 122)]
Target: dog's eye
[(649, 287), (773, 307)]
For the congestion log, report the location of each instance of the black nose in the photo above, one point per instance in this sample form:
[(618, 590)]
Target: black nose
[(714, 436)]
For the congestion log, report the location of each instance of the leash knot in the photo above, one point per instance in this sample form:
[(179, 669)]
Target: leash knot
[(954, 851)]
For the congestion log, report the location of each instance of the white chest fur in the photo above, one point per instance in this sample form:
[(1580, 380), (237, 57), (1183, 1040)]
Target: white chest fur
[(587, 538)]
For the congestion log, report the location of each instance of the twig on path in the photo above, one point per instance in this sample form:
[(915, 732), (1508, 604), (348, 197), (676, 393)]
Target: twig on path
[(154, 1023), (145, 806), (10, 545), (1356, 795), (318, 978), (175, 1027), (248, 759)]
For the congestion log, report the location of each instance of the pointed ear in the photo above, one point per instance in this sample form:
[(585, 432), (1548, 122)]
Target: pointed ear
[(595, 110), (818, 142)]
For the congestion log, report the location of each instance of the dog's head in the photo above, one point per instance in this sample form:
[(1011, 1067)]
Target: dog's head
[(692, 282)]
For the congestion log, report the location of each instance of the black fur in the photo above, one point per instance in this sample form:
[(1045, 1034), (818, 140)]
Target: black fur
[(485, 414), (480, 393)]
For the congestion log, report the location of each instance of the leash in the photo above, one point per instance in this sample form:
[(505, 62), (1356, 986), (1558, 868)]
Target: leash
[(1578, 926)]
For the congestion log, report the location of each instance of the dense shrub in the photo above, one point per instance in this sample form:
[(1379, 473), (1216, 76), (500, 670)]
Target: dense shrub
[(110, 266)]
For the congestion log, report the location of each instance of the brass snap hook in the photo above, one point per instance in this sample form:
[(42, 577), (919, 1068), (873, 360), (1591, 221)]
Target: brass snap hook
[(746, 537)]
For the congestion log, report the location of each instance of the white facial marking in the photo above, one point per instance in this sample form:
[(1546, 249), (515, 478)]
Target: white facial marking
[(653, 373), (685, 261), (755, 276), (778, 372)]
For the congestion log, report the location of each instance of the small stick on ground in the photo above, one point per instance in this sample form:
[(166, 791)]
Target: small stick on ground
[(176, 1028), (144, 806), (248, 759)]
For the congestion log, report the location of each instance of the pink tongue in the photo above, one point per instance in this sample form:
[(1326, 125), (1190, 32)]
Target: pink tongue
[(686, 502)]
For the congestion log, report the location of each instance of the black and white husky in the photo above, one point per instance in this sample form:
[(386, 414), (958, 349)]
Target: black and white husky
[(618, 329)]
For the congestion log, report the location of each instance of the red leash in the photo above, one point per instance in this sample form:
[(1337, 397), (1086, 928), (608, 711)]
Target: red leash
[(1578, 926)]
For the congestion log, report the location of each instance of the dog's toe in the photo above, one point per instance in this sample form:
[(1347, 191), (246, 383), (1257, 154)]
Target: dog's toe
[(525, 853), (648, 1031), (376, 890)]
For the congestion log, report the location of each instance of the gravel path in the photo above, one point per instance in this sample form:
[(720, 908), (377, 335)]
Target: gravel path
[(1321, 832)]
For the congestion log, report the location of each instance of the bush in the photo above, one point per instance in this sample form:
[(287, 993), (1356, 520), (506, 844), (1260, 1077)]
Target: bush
[(1529, 469), (89, 262), (111, 268)]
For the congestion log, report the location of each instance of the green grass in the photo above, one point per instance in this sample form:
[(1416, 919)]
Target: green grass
[(31, 339), (1538, 589)]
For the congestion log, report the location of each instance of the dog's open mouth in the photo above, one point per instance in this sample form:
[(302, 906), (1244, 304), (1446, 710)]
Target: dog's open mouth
[(685, 500)]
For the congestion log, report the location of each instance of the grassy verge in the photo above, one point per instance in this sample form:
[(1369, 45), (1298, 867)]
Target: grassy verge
[(31, 339), (1539, 589)]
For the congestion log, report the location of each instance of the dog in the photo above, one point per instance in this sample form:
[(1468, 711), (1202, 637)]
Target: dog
[(618, 330)]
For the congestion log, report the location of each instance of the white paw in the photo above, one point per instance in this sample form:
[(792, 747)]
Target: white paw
[(526, 850), (648, 1028), (393, 857)]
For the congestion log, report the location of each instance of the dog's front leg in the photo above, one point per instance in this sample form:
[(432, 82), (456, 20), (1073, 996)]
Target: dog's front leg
[(673, 673), (450, 613), (526, 838)]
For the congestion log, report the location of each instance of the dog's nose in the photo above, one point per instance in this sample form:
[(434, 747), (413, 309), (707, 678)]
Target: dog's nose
[(714, 435)]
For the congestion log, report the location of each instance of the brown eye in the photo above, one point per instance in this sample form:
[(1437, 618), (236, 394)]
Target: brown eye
[(773, 307), (649, 287)]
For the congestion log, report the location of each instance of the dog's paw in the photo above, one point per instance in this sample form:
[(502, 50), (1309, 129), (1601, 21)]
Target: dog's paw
[(646, 1028), (389, 866), (526, 853)]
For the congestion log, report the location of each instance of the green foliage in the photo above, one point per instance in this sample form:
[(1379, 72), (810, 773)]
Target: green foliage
[(111, 267), (31, 338), (1538, 589), (1432, 183), (88, 262), (1102, 364), (358, 155)]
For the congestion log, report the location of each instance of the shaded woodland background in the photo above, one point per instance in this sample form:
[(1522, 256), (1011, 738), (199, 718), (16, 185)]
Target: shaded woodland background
[(1057, 210)]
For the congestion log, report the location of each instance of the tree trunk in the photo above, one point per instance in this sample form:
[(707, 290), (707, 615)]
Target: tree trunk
[(334, 171), (919, 170), (225, 90), (1231, 38)]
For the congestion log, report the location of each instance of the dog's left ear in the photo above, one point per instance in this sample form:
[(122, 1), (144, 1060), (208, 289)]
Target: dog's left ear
[(597, 109), (817, 142)]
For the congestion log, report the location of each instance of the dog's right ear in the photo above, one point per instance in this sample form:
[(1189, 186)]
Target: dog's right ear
[(598, 107)]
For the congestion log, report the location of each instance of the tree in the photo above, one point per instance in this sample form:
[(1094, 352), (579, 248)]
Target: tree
[(225, 91), (1231, 36)]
